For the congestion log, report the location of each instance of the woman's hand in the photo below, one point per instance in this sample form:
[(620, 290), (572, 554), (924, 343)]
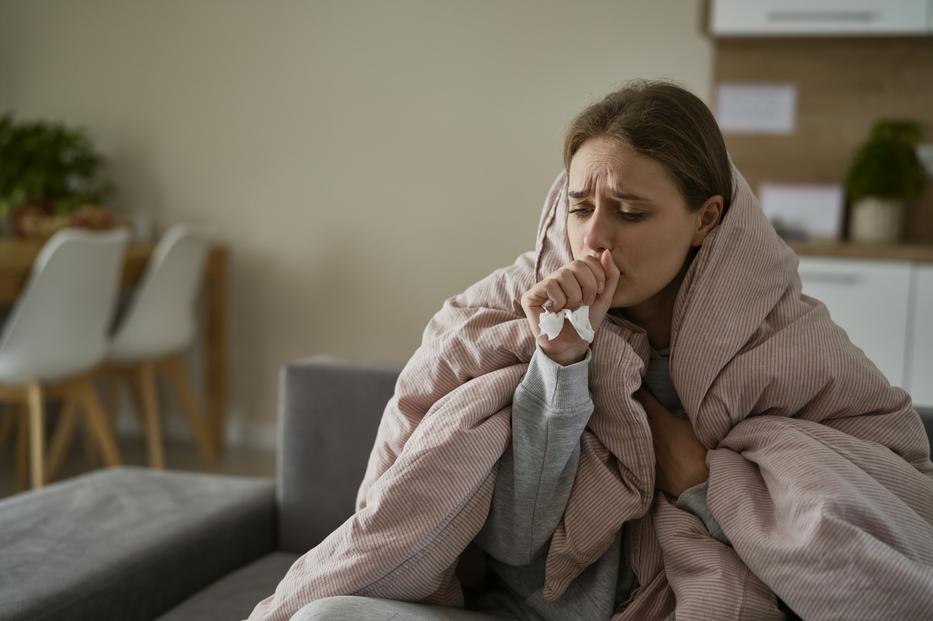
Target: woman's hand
[(588, 281), (680, 457)]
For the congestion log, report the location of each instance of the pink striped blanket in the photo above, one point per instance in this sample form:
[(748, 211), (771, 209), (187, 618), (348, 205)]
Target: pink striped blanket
[(820, 470)]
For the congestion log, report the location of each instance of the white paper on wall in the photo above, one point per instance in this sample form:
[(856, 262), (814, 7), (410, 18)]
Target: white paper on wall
[(756, 108), (808, 210)]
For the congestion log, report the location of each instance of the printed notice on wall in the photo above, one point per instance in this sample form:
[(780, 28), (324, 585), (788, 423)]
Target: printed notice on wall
[(803, 210), (756, 108)]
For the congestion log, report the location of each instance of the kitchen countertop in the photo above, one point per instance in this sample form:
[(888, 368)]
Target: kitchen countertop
[(884, 252)]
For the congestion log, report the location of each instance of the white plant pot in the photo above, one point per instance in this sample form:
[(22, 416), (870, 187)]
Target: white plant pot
[(876, 221)]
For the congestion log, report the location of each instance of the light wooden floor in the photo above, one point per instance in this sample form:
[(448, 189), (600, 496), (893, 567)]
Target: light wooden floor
[(178, 456)]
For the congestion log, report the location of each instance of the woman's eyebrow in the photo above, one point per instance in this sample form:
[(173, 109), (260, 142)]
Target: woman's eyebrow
[(631, 197), (620, 195)]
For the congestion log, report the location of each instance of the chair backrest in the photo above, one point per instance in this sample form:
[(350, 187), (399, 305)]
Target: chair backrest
[(59, 323), (161, 317)]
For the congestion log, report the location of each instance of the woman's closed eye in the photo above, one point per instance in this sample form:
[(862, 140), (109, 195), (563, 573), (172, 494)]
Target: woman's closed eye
[(630, 216)]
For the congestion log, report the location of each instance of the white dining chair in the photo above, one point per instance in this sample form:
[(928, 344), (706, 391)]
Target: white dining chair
[(56, 336), (158, 327)]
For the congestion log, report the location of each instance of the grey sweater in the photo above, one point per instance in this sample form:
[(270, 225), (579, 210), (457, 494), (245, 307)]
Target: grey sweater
[(550, 410)]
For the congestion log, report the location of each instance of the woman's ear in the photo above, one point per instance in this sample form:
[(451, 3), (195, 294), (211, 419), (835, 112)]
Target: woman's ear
[(708, 217)]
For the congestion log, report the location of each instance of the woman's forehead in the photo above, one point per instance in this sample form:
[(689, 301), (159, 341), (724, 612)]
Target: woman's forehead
[(606, 165)]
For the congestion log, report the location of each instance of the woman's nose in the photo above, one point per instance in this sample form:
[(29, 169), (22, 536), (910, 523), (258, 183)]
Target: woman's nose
[(598, 235)]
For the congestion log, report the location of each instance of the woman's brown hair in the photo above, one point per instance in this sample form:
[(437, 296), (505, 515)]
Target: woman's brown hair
[(668, 123)]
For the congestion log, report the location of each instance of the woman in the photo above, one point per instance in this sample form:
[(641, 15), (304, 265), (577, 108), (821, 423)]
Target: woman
[(634, 228), (548, 452)]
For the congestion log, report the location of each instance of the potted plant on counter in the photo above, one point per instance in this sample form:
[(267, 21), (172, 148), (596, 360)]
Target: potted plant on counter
[(885, 175), (49, 178)]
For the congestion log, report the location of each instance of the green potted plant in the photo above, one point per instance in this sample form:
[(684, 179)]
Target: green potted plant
[(885, 175), (49, 178)]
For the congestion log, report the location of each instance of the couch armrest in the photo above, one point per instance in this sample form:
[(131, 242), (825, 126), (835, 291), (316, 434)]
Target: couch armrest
[(127, 543), (329, 413), (927, 417)]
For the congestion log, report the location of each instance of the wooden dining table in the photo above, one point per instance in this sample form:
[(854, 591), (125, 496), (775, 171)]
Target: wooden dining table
[(18, 255)]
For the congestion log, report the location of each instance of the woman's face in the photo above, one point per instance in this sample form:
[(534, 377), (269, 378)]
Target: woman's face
[(627, 202)]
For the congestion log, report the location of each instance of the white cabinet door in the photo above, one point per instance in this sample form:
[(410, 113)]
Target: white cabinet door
[(867, 299), (920, 340), (819, 17)]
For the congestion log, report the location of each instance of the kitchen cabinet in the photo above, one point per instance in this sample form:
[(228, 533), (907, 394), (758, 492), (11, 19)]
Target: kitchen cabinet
[(920, 345), (886, 309), (870, 300), (763, 18)]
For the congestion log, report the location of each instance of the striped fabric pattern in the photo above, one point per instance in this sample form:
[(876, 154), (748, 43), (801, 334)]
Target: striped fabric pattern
[(820, 471)]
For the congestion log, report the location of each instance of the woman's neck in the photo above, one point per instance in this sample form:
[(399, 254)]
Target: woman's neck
[(657, 312), (654, 315)]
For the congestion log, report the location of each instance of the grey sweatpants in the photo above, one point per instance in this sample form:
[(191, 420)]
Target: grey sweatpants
[(355, 608)]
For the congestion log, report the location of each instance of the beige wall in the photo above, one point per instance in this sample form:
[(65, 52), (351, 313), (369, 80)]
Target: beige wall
[(363, 160)]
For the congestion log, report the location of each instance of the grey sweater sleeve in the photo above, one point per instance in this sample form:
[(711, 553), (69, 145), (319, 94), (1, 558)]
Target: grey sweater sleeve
[(550, 410), (694, 501)]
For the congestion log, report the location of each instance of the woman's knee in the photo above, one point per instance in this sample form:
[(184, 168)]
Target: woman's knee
[(356, 608), (337, 608)]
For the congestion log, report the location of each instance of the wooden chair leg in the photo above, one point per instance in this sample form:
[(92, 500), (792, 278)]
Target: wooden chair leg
[(97, 419), (62, 437), (144, 380), (113, 399), (22, 449), (136, 399), (6, 428), (34, 399), (174, 369), (91, 448)]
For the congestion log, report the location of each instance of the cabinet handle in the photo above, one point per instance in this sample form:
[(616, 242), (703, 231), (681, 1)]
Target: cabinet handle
[(830, 278), (863, 17)]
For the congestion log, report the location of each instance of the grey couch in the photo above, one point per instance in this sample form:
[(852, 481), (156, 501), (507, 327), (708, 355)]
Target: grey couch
[(131, 543)]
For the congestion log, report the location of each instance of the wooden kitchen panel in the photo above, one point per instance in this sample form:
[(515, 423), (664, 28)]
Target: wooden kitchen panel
[(844, 85)]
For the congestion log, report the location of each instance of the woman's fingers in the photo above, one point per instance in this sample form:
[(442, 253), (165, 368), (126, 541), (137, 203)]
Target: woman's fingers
[(659, 438), (569, 287), (611, 271), (555, 293), (572, 289), (597, 271), (647, 399), (546, 294), (586, 280), (657, 413)]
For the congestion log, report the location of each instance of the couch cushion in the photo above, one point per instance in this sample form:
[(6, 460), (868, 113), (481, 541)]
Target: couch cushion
[(127, 543), (235, 595)]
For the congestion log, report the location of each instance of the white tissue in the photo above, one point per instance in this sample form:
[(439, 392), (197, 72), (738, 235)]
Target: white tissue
[(552, 323)]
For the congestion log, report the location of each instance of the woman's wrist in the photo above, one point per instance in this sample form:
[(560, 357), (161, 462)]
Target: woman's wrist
[(569, 357)]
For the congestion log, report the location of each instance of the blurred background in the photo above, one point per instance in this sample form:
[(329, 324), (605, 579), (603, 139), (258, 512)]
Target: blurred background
[(358, 162)]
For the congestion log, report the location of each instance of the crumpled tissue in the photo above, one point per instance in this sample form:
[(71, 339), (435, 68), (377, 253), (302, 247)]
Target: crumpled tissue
[(552, 323)]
